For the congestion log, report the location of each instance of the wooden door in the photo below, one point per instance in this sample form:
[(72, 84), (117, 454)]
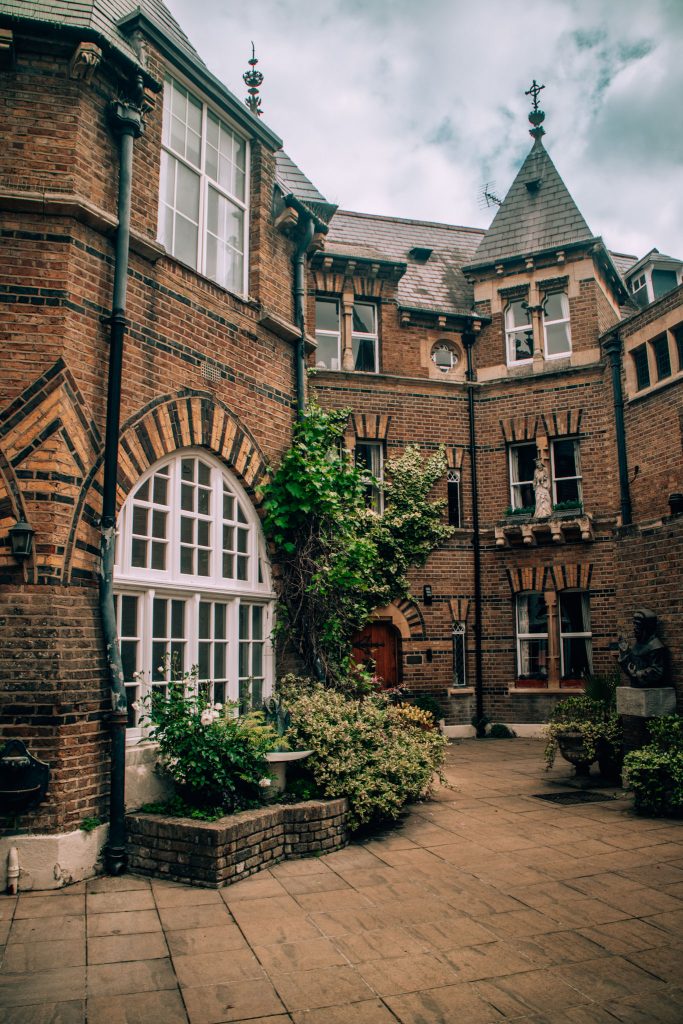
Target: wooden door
[(380, 642)]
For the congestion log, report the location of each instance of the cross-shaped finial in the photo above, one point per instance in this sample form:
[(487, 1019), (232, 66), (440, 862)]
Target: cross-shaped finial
[(533, 92), (536, 116)]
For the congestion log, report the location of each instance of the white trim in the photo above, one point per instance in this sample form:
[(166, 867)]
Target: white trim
[(206, 182)]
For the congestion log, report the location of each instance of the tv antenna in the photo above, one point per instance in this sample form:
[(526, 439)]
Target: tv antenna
[(488, 197)]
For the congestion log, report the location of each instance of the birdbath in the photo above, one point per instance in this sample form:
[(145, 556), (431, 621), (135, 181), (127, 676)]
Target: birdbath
[(279, 760)]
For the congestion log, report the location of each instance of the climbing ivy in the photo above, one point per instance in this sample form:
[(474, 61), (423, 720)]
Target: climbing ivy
[(339, 559)]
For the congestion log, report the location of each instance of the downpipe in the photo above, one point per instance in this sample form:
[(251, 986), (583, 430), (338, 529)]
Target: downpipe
[(612, 347), (468, 340), (303, 245), (126, 124)]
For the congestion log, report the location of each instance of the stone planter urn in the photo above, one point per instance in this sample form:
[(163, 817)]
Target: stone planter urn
[(572, 747), (278, 760)]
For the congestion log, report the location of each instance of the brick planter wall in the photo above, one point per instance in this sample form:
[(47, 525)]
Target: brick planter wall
[(217, 853)]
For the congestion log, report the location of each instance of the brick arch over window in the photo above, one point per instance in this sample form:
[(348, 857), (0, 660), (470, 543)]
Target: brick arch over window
[(163, 426), (407, 618), (12, 508)]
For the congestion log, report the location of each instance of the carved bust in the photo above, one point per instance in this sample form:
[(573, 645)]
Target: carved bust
[(644, 661)]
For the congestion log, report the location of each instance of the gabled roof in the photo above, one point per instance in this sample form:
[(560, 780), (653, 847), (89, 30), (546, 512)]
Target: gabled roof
[(436, 285), (537, 214), (653, 256)]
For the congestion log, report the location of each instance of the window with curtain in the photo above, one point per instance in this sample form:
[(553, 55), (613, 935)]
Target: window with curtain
[(532, 636), (192, 584), (522, 461), (369, 457), (556, 332), (576, 644)]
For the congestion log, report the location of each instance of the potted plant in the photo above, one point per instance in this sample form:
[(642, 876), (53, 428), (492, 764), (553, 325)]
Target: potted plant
[(587, 728)]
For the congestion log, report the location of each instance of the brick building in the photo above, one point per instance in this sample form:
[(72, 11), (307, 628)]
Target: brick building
[(146, 209)]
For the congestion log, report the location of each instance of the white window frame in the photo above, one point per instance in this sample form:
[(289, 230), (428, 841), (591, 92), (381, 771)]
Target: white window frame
[(577, 463), (522, 637), (326, 334), (453, 481), (375, 492), (586, 635), (459, 641), (146, 583), (515, 484), (511, 330), (373, 336), (169, 155), (564, 319)]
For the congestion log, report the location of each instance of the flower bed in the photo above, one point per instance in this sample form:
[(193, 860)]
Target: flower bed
[(218, 853)]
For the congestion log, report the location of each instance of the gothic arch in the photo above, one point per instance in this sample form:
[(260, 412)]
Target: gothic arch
[(165, 425)]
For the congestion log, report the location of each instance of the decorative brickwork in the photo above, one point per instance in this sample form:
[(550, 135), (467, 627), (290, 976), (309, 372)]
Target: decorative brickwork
[(215, 854)]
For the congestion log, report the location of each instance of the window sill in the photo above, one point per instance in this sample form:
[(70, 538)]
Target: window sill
[(460, 691), (525, 531), (523, 689)]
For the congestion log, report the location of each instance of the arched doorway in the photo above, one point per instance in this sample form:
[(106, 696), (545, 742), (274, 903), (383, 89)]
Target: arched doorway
[(380, 643)]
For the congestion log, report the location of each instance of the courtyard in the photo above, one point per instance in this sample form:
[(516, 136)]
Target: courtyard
[(485, 904)]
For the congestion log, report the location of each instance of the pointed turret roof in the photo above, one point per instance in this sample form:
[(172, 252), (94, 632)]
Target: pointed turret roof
[(537, 214)]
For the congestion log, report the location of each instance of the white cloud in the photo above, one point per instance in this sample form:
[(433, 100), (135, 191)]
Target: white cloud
[(400, 108)]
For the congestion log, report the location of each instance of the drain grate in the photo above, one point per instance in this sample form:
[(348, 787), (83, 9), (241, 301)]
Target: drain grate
[(575, 796)]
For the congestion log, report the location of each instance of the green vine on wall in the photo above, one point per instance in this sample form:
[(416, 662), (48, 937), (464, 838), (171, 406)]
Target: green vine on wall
[(338, 559)]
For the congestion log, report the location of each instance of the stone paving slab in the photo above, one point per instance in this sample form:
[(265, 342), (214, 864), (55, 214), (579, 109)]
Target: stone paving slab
[(484, 905)]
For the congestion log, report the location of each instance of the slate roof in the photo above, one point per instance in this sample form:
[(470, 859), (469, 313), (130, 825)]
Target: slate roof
[(102, 16), (293, 181), (533, 219), (438, 285)]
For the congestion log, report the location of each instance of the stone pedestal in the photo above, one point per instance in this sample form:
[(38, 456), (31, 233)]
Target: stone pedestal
[(652, 702)]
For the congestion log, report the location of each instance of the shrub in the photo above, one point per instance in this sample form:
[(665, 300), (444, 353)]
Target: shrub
[(500, 731), (593, 715), (377, 754), (655, 772), (427, 703), (214, 758)]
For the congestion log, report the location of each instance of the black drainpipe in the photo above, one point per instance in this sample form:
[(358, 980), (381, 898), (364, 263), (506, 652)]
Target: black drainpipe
[(612, 347), (126, 123), (468, 341), (303, 244)]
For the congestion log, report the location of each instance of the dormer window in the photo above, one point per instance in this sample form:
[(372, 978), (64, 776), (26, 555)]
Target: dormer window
[(519, 334), (203, 190), (556, 334)]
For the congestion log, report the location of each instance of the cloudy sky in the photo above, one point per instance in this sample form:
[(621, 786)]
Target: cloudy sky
[(407, 107)]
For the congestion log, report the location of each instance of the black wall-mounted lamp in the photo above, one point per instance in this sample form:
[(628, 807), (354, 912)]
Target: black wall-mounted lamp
[(427, 595), (21, 539)]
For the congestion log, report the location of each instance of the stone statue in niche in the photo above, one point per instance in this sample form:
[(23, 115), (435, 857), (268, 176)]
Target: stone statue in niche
[(544, 505), (644, 661)]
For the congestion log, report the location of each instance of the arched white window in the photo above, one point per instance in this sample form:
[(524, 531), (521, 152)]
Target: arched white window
[(192, 583)]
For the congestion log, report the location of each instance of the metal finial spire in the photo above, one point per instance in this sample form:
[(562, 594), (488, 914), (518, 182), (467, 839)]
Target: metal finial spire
[(253, 79), (536, 116)]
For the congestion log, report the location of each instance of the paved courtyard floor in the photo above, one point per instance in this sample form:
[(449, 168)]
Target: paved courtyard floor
[(487, 905)]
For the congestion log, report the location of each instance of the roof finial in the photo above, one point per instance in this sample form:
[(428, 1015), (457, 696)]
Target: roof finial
[(253, 79), (536, 116)]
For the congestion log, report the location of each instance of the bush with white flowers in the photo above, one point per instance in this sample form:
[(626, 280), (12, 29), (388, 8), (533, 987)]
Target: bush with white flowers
[(215, 758)]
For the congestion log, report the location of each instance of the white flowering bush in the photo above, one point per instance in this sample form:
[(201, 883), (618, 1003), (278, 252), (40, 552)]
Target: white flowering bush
[(377, 754), (214, 758)]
